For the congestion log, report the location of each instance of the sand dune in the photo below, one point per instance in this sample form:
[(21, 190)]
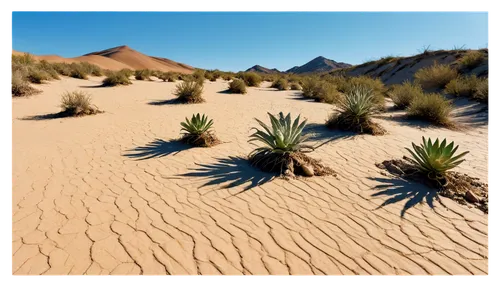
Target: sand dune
[(111, 194), (118, 58)]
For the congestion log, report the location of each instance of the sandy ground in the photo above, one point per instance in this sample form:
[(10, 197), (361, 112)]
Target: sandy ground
[(109, 194)]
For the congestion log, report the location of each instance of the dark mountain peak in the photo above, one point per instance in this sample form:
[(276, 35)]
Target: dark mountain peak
[(318, 64), (261, 69)]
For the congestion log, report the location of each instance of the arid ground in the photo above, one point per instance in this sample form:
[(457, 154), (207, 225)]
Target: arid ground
[(111, 194)]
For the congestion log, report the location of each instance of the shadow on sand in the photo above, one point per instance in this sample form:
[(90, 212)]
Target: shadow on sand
[(157, 148), (397, 190), (165, 102), (320, 132), (230, 172)]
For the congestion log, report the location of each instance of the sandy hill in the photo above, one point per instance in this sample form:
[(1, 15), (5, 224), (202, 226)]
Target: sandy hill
[(261, 69), (395, 70), (121, 57), (319, 64)]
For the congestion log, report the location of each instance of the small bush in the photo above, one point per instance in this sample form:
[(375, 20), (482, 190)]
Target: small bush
[(309, 86), (62, 68), (326, 92), (36, 75), (251, 79), (21, 87), (469, 86), (25, 59), (472, 59), (189, 92), (91, 69), (127, 72), (237, 86), (280, 84), (143, 74), (403, 94), (347, 85), (435, 76), (431, 107), (116, 78), (168, 76), (77, 71), (77, 103), (295, 86), (48, 68)]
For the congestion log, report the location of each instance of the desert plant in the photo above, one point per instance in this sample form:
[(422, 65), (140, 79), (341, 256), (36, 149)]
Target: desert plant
[(435, 76), (354, 112), (116, 78), (21, 87), (377, 87), (435, 159), (309, 86), (168, 76), (197, 131), (326, 92), (284, 144), (77, 71), (48, 68), (481, 92), (472, 59), (251, 79), (77, 103), (189, 92), (91, 69), (403, 94), (25, 59), (237, 86), (295, 86), (127, 72), (280, 84), (36, 75), (431, 107), (462, 86), (62, 68), (143, 74)]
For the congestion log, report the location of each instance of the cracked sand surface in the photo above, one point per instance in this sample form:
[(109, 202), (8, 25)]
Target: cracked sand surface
[(108, 194)]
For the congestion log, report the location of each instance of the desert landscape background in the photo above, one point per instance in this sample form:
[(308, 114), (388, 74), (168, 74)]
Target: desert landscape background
[(117, 193)]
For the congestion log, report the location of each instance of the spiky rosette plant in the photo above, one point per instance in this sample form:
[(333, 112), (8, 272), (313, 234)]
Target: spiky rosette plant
[(435, 159), (197, 131), (284, 148)]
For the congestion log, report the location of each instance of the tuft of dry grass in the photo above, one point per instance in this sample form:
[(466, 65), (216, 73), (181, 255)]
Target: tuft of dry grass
[(143, 74), (280, 84), (251, 79), (431, 107), (20, 86), (469, 86), (237, 86), (403, 94), (295, 86), (472, 59), (77, 71), (116, 78), (435, 76), (189, 92), (77, 103)]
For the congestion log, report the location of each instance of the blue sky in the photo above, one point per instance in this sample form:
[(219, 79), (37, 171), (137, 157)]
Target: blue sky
[(237, 41)]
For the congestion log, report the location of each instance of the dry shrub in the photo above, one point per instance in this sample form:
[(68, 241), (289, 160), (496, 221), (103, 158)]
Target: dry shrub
[(78, 71), (403, 94), (189, 92), (469, 86), (435, 76), (77, 103), (143, 74), (431, 107), (21, 87), (251, 79), (295, 86), (280, 84), (481, 92), (116, 78), (472, 59), (237, 86)]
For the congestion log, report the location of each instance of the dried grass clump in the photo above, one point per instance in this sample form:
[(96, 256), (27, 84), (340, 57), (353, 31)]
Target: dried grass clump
[(280, 84), (189, 92), (116, 78), (143, 74), (20, 86), (472, 59), (77, 103), (295, 86), (431, 107), (237, 86), (469, 86), (251, 79), (403, 94), (435, 76)]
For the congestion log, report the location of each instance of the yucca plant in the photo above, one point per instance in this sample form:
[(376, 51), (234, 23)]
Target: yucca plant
[(284, 148), (197, 131), (435, 159)]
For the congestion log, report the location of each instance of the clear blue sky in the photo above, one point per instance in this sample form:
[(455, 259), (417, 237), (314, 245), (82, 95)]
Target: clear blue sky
[(237, 41)]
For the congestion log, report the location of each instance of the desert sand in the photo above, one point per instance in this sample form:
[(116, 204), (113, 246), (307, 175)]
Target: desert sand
[(110, 194)]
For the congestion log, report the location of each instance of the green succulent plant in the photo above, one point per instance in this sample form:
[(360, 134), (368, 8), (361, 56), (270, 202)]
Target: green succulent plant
[(358, 104), (435, 158), (197, 125), (283, 135)]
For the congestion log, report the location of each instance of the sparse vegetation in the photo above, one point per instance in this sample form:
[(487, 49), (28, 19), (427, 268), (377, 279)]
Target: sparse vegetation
[(435, 76), (403, 94), (77, 103), (431, 107), (21, 87), (251, 78), (77, 71), (237, 86), (472, 59), (354, 112), (197, 131), (116, 78), (284, 147), (295, 86), (143, 74), (189, 92), (280, 84), (127, 72), (469, 86), (168, 76)]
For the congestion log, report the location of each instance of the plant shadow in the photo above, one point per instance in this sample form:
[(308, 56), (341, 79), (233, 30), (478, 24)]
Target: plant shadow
[(157, 148), (321, 132), (397, 190), (231, 172), (165, 102)]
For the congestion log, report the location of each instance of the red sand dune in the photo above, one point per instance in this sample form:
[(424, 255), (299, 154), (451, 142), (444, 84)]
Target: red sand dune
[(120, 57)]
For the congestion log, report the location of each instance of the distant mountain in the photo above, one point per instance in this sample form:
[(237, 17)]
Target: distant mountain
[(261, 69), (319, 64)]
